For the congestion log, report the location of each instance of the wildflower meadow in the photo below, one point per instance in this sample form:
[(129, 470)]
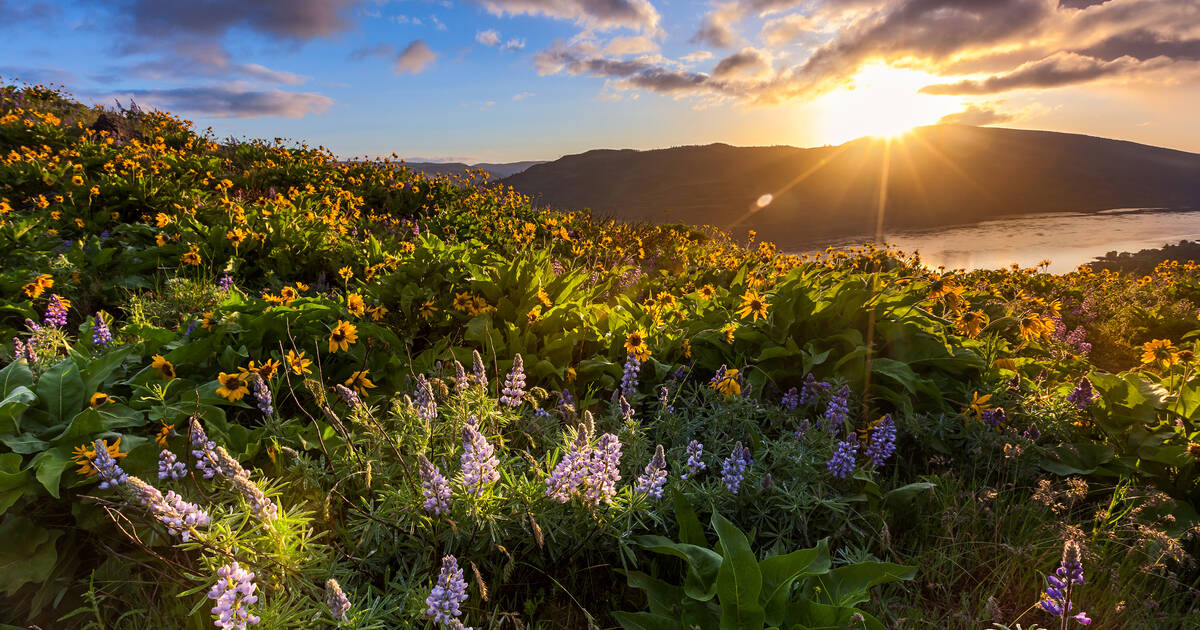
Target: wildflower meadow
[(248, 385)]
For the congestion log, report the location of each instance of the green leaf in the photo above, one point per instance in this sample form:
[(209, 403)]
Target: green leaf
[(645, 621), (13, 406), (739, 581), (61, 390), (690, 529), (98, 370), (664, 598), (781, 572), (902, 497), (14, 375), (701, 580), (848, 585), (27, 553), (50, 466)]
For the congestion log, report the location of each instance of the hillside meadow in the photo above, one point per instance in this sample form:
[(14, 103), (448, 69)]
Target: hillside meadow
[(246, 384)]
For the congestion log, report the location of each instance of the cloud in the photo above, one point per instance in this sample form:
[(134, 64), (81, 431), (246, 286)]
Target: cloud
[(976, 116), (749, 63), (488, 38), (298, 20), (513, 44), (415, 58), (696, 57), (1054, 71), (231, 101), (717, 27), (25, 11), (634, 45), (378, 50), (1143, 44), (522, 96), (42, 76), (638, 15), (788, 29)]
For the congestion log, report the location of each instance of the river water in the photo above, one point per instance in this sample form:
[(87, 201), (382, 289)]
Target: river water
[(1067, 239)]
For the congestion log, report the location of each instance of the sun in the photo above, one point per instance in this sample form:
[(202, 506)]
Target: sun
[(880, 101)]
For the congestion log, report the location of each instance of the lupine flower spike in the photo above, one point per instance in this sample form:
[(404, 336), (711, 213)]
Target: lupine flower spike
[(479, 461), (1057, 598), (733, 469), (101, 336), (514, 385), (434, 487), (695, 459), (335, 598), (445, 600), (234, 594), (655, 475), (843, 461)]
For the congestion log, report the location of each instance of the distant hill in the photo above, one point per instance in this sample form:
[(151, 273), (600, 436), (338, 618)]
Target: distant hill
[(937, 175), (498, 171)]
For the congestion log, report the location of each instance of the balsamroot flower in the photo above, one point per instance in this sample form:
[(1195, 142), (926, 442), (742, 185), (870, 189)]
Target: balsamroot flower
[(479, 461), (882, 441), (111, 475), (180, 517), (733, 469), (1083, 394), (514, 385), (843, 461), (335, 598), (426, 404), (655, 475), (169, 466), (629, 378), (434, 487), (448, 594), (101, 336), (695, 459), (1057, 598), (234, 594)]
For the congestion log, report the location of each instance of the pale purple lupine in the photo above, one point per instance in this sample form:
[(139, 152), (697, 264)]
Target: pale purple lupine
[(169, 466), (111, 474), (664, 399), (446, 598), (426, 404), (514, 385), (843, 461), (180, 517), (838, 410), (1057, 598), (568, 474), (479, 463), (56, 312), (812, 390), (695, 459), (629, 377), (626, 409), (434, 487), (101, 335), (600, 484), (479, 372), (336, 600), (790, 400), (18, 349), (566, 402), (234, 594), (654, 476), (1083, 394), (203, 449), (232, 470), (733, 469), (460, 378), (225, 283), (262, 394), (882, 442), (1077, 339), (348, 396)]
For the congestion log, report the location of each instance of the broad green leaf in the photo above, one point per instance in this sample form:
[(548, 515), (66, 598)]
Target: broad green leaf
[(690, 529), (50, 466), (779, 573), (27, 552), (701, 580), (848, 585), (645, 621), (739, 581), (61, 391), (664, 598), (14, 375), (98, 370), (13, 406)]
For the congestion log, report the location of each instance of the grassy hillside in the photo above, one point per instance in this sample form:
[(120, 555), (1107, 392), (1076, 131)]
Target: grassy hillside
[(250, 385), (940, 175)]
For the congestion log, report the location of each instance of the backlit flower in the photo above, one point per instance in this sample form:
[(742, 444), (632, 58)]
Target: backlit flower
[(752, 305), (635, 344), (1159, 351), (359, 382), (297, 363), (233, 386), (165, 369), (342, 336)]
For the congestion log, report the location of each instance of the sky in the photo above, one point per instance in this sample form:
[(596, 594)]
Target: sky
[(508, 80)]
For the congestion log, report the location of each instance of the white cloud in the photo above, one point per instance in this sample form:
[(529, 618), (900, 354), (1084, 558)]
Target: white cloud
[(415, 58), (488, 38)]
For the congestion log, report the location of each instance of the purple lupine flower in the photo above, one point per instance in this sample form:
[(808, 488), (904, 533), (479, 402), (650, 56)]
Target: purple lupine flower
[(568, 474), (838, 410), (679, 373), (203, 450), (434, 488), (1077, 339), (695, 459), (262, 394), (733, 469), (479, 372), (514, 385), (180, 517), (882, 442), (226, 282), (56, 312), (479, 461), (191, 327), (664, 399), (600, 484), (18, 349), (790, 400), (336, 600), (101, 336), (1032, 433), (843, 461), (460, 378), (234, 594), (626, 409), (655, 475), (348, 396), (169, 466), (802, 430), (566, 402), (812, 389), (31, 353), (1057, 598), (629, 378), (232, 470), (111, 474), (718, 375), (541, 413), (995, 418), (1083, 394), (448, 594), (426, 404)]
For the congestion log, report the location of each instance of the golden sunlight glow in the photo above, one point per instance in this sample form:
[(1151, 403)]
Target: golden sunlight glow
[(881, 101)]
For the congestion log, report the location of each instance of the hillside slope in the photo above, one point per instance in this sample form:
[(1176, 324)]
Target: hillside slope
[(938, 175)]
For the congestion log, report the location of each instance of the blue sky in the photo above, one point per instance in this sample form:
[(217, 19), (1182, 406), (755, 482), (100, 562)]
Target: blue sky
[(503, 80)]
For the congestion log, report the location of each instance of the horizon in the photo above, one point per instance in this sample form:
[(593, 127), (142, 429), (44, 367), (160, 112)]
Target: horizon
[(512, 80)]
